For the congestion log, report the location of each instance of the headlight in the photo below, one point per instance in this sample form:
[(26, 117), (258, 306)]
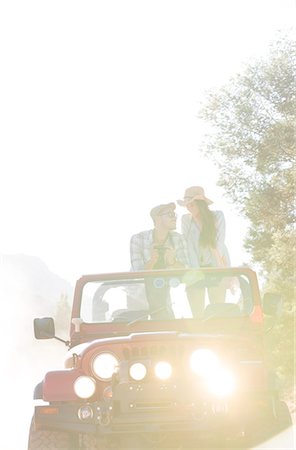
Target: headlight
[(221, 383), (104, 365), (163, 370), (84, 387), (204, 362), (138, 371)]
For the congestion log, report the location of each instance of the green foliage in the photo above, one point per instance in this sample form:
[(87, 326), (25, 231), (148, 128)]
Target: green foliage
[(279, 343), (252, 140)]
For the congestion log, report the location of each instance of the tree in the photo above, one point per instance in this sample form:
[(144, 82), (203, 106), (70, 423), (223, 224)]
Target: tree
[(63, 316), (252, 140)]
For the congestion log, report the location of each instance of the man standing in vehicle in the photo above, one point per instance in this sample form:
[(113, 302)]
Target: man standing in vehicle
[(161, 247)]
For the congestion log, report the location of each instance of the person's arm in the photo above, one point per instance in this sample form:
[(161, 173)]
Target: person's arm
[(136, 253), (170, 258), (178, 257), (175, 264), (149, 265)]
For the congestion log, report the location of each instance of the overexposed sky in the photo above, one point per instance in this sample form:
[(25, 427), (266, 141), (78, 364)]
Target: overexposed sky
[(98, 117)]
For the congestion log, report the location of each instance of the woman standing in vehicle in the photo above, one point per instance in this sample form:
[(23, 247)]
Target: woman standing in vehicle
[(204, 233), (203, 230)]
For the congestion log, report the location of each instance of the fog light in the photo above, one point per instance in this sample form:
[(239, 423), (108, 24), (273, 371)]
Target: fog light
[(84, 387), (85, 413), (163, 370), (138, 371)]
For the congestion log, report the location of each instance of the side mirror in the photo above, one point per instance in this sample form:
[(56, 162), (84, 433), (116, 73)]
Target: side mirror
[(44, 328), (272, 304)]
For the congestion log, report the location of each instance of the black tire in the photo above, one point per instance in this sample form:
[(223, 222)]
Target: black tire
[(48, 440), (267, 429), (283, 419)]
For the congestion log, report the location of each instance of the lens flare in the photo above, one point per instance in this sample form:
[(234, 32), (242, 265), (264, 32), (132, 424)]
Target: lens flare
[(203, 362), (221, 383), (163, 370)]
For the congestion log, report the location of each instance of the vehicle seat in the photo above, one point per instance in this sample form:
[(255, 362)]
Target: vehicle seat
[(124, 315), (221, 310)]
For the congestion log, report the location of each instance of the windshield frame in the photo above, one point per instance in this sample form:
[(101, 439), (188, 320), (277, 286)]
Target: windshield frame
[(118, 276)]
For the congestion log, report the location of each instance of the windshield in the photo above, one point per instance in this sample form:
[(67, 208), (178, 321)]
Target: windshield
[(194, 294)]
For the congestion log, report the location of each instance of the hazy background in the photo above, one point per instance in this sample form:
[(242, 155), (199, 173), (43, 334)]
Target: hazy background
[(98, 124)]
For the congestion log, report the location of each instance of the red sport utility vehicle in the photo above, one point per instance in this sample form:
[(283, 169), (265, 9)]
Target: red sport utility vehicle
[(161, 359)]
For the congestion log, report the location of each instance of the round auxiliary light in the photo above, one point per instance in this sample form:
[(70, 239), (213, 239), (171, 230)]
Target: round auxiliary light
[(85, 413), (138, 371), (104, 365), (163, 370), (84, 387), (204, 362)]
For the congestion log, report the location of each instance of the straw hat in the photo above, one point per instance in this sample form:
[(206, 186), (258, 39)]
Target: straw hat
[(194, 193)]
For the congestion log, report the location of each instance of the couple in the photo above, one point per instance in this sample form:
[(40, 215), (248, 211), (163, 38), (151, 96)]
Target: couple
[(201, 243)]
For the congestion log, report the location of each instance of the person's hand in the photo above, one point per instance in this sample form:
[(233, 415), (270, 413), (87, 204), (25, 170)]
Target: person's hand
[(154, 255), (153, 259), (169, 256)]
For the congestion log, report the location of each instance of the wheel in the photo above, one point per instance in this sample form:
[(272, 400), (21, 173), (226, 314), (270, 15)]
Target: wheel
[(48, 440), (58, 440), (283, 419), (267, 429)]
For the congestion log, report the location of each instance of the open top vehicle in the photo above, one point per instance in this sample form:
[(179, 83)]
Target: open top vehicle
[(147, 369)]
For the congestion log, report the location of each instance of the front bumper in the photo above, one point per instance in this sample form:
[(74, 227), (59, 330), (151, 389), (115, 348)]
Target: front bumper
[(156, 408)]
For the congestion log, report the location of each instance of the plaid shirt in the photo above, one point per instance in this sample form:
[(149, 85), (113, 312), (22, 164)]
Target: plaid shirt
[(141, 245)]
